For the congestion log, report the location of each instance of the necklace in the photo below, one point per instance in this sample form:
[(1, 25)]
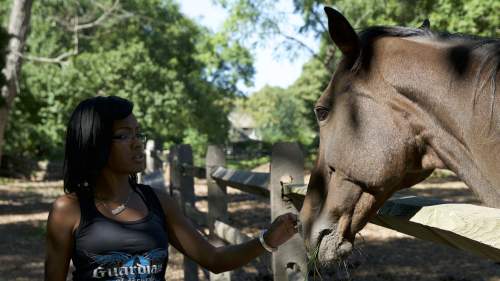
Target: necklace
[(118, 210)]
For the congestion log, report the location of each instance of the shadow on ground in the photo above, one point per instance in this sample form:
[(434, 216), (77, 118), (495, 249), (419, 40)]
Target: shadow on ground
[(386, 255), (408, 259), (22, 251)]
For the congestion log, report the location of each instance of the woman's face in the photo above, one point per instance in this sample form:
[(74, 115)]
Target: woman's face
[(127, 147)]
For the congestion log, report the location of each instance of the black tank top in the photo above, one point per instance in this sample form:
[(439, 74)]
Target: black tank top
[(106, 249)]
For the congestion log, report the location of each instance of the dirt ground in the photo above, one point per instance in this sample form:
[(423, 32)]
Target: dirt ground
[(382, 255)]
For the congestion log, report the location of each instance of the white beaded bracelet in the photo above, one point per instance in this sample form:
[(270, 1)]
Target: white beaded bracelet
[(264, 244)]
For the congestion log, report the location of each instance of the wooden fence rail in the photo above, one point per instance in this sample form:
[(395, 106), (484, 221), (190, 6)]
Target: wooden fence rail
[(472, 228), (468, 227), (253, 183)]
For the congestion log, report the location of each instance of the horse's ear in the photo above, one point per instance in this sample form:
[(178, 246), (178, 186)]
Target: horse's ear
[(342, 33), (426, 25)]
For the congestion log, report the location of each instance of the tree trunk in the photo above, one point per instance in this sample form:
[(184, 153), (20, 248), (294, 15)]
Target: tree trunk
[(18, 30)]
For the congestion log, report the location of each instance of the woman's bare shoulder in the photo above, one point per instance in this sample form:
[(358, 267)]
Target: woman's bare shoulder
[(65, 211), (66, 202)]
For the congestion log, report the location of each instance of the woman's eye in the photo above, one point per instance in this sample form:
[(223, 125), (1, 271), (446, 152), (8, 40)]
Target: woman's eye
[(120, 137), (321, 113)]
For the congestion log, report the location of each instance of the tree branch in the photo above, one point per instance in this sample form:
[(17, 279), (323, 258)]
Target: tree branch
[(318, 19), (326, 62), (360, 19), (302, 44), (62, 58), (98, 21), (330, 57)]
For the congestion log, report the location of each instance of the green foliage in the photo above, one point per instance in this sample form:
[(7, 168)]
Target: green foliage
[(262, 20), (278, 110), (247, 164), (307, 88), (463, 16), (181, 78), (198, 142), (278, 116)]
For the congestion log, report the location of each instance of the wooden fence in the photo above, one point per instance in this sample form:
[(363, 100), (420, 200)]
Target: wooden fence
[(468, 227)]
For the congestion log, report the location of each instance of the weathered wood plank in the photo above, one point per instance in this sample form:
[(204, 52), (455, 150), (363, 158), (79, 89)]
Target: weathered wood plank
[(153, 163), (287, 163), (187, 182), (185, 186), (230, 234), (194, 171), (254, 183), (233, 235), (294, 189), (217, 200), (217, 191), (200, 218), (472, 228), (295, 192)]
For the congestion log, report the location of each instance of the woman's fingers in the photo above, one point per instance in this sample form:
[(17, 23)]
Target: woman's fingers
[(291, 222), (282, 229)]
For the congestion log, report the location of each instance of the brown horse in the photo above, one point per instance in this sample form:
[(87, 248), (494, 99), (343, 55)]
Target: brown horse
[(401, 103)]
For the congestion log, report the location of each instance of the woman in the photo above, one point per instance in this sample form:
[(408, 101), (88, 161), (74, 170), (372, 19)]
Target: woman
[(116, 229)]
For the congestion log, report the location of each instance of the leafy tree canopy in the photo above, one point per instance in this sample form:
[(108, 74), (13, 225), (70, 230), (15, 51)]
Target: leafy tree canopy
[(181, 77), (277, 115), (464, 16), (252, 22)]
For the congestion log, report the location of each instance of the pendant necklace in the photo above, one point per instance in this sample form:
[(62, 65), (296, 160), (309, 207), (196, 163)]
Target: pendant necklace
[(118, 210)]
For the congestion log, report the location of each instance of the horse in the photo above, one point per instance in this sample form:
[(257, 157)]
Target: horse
[(401, 103)]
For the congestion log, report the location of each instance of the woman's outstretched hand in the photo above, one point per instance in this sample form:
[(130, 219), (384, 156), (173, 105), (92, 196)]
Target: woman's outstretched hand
[(281, 230)]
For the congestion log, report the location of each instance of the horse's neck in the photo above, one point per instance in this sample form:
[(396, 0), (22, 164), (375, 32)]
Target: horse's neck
[(468, 133), (459, 122), (483, 139)]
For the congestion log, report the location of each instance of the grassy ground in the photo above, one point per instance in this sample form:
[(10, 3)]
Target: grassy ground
[(384, 255)]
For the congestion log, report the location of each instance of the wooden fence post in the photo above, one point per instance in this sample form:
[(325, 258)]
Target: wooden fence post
[(217, 201), (150, 159), (183, 185), (290, 261)]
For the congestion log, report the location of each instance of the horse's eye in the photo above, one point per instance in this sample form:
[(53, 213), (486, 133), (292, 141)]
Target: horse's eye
[(321, 113)]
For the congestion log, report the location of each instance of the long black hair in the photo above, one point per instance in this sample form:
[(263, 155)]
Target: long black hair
[(88, 141)]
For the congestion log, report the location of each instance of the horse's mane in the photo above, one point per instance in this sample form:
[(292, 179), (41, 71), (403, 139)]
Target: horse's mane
[(371, 33), (488, 50)]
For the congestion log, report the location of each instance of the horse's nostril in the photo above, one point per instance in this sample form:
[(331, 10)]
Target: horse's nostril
[(320, 237), (331, 171), (323, 233)]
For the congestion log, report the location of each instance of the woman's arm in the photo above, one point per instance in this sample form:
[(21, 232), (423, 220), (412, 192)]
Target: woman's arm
[(233, 256), (63, 219), (184, 237)]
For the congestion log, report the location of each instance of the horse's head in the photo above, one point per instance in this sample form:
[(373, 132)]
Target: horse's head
[(368, 148)]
